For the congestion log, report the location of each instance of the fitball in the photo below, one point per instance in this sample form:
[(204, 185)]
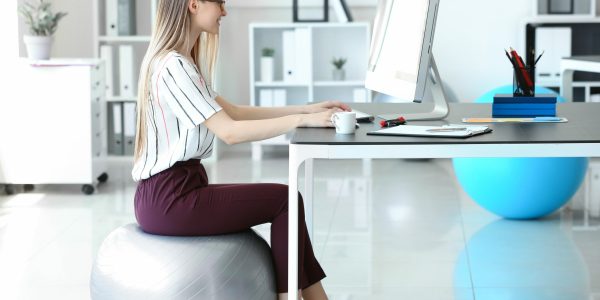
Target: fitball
[(132, 264)]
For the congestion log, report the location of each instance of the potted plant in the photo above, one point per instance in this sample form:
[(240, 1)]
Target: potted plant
[(266, 64), (338, 72), (42, 24)]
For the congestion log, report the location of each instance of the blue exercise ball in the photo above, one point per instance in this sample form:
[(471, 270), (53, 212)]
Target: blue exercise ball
[(132, 264), (520, 188)]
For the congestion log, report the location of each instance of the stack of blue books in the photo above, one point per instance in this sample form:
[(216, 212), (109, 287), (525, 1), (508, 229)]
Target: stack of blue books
[(508, 106)]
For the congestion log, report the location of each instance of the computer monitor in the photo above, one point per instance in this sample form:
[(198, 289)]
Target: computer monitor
[(401, 62)]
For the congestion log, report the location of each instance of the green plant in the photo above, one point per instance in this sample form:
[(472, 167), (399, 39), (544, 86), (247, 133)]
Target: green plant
[(268, 52), (338, 62), (39, 17)]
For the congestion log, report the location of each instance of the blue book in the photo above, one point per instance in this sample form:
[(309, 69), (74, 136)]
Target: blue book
[(524, 106), (509, 98), (523, 113)]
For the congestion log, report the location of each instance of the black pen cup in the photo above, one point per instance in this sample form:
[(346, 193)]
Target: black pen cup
[(524, 82)]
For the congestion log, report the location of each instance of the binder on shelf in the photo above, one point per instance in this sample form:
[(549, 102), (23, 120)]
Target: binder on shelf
[(115, 128), (129, 118), (289, 55), (126, 68), (106, 54), (265, 97), (302, 52), (126, 17), (112, 19), (279, 97), (360, 95), (556, 42)]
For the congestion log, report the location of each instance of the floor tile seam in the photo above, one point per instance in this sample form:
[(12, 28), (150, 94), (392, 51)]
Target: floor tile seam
[(466, 248), (335, 209)]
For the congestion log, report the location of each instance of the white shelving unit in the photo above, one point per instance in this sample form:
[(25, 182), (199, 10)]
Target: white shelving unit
[(586, 12), (582, 8), (325, 41)]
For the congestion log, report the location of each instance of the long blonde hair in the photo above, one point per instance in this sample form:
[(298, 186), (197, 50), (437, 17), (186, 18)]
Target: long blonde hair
[(170, 32)]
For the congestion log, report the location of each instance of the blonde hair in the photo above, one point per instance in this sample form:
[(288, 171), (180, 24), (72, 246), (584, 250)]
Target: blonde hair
[(170, 32)]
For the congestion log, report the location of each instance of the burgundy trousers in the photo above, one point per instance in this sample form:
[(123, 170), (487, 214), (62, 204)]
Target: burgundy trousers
[(180, 201)]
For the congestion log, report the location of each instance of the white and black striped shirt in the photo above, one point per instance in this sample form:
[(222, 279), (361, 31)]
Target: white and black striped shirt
[(180, 101)]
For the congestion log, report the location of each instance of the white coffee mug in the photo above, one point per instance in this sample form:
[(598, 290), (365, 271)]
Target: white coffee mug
[(345, 122)]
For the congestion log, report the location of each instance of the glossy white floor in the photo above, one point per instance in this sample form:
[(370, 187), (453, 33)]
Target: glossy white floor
[(407, 231)]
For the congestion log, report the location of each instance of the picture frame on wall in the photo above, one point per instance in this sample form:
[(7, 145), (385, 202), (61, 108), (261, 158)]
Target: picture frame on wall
[(307, 11), (342, 11), (561, 7)]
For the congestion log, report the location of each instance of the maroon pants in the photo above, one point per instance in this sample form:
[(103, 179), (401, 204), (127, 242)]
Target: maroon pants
[(179, 201)]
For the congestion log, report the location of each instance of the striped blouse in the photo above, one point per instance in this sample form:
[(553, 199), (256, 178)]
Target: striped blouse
[(180, 101)]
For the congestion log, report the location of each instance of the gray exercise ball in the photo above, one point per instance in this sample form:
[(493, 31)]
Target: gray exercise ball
[(132, 264)]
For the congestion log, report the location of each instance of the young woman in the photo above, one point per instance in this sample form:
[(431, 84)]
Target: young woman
[(179, 115)]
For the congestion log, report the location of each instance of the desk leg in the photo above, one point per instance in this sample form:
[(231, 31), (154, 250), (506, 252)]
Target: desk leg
[(309, 196), (566, 88), (293, 223)]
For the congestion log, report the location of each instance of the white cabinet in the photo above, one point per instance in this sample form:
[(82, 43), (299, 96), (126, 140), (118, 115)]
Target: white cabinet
[(52, 124), (302, 66)]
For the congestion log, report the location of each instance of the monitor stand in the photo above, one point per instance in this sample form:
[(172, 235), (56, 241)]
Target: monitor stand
[(440, 105)]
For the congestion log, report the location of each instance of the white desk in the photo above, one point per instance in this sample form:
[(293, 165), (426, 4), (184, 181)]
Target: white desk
[(580, 137), (576, 63)]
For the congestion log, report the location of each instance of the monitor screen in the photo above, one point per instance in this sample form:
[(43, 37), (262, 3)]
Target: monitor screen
[(401, 48)]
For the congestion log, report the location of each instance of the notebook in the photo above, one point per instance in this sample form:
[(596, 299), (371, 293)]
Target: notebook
[(446, 131)]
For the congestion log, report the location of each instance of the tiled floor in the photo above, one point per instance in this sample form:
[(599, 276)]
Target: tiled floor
[(388, 229)]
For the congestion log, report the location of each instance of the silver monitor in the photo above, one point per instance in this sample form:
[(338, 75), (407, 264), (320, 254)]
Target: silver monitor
[(401, 62)]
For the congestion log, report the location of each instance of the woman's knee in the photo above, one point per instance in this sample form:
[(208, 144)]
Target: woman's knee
[(284, 190)]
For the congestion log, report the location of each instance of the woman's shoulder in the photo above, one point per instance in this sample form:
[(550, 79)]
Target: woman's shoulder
[(173, 61)]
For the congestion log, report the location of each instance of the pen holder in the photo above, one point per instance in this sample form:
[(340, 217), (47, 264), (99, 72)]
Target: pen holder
[(524, 82)]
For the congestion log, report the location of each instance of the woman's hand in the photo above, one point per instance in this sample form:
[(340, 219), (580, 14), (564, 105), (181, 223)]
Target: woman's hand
[(320, 119), (327, 105)]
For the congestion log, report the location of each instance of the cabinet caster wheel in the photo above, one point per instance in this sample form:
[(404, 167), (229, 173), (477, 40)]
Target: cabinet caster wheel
[(103, 178), (28, 187), (87, 189), (9, 189)]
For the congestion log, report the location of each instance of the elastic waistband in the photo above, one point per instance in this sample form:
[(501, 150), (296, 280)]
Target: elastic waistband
[(191, 162)]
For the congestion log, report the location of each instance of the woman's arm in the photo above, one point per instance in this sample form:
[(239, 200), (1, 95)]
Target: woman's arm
[(243, 112), (234, 132)]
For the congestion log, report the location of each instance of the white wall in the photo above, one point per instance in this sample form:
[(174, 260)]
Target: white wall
[(8, 30), (470, 38), (469, 43)]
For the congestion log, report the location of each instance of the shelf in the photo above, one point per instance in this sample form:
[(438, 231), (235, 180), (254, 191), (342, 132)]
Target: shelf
[(556, 83), (564, 19), (357, 83), (121, 99), (135, 38), (280, 84), (313, 25)]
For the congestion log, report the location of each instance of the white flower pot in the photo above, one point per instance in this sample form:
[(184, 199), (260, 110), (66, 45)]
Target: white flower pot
[(38, 47), (266, 69), (339, 74)]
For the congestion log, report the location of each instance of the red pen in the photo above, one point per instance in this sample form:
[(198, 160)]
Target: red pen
[(392, 123), (521, 67)]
